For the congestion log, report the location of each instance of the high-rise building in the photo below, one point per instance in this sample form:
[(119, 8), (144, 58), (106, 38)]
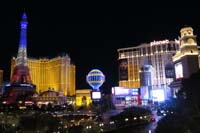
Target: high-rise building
[(158, 54), (57, 74), (170, 62)]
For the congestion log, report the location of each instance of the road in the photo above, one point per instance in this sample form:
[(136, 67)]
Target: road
[(106, 116), (149, 128)]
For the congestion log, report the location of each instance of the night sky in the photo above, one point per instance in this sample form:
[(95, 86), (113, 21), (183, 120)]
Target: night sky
[(89, 32)]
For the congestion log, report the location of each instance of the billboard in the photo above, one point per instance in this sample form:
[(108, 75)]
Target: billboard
[(169, 71), (121, 91), (144, 92), (96, 95), (123, 69), (158, 95), (179, 70)]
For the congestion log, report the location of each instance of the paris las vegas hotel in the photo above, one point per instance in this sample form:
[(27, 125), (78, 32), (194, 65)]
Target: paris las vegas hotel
[(57, 74), (167, 61)]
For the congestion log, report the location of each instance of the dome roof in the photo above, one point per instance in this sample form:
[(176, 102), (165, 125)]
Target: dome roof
[(49, 93)]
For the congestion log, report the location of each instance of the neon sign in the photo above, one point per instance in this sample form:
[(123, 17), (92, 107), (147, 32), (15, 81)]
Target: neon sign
[(159, 42)]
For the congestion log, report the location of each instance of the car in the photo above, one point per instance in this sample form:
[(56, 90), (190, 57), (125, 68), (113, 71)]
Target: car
[(153, 119), (159, 113)]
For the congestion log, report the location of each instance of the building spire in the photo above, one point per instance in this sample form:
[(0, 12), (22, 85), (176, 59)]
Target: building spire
[(22, 52), (21, 71)]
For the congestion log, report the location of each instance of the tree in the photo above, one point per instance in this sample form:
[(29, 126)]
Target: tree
[(49, 107), (107, 102), (187, 110), (42, 122), (190, 92)]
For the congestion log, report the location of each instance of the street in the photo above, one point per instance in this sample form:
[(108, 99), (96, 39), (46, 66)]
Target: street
[(148, 128)]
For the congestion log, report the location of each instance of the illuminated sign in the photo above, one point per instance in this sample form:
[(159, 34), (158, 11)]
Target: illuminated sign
[(158, 95), (28, 102), (144, 92), (179, 70), (121, 91), (159, 42), (134, 91), (123, 69), (169, 70), (96, 95)]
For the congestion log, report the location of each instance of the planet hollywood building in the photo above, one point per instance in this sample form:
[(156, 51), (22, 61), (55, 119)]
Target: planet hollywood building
[(157, 68), (153, 59)]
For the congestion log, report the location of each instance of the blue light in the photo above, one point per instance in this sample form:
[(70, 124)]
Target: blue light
[(24, 24), (24, 16), (22, 53), (95, 78), (7, 85)]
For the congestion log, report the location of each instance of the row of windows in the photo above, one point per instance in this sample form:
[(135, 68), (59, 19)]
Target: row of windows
[(151, 50), (158, 67)]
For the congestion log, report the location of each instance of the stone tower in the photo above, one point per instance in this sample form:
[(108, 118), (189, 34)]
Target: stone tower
[(186, 59)]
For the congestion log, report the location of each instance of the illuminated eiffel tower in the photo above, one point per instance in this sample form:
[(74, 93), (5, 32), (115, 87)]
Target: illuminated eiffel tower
[(20, 87), (21, 70)]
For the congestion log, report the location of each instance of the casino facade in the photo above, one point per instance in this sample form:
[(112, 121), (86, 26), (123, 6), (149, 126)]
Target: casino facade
[(159, 57)]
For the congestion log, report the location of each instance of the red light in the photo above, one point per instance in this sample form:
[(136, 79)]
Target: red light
[(153, 119), (28, 102)]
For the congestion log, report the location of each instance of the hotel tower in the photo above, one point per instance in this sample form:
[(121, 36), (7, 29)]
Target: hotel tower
[(57, 74), (156, 56)]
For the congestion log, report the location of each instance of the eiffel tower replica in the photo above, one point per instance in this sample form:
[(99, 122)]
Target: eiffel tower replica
[(20, 87)]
